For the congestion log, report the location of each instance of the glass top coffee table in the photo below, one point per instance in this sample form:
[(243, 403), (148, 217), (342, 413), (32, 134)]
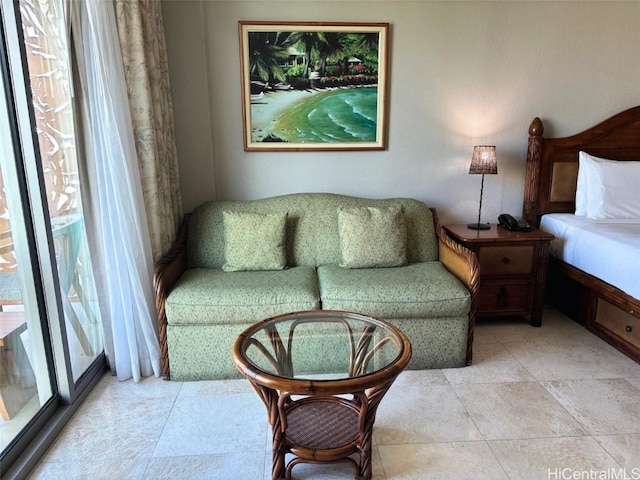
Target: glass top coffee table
[(321, 375)]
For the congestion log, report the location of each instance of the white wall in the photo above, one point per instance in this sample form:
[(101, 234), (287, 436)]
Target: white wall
[(187, 52), (461, 74)]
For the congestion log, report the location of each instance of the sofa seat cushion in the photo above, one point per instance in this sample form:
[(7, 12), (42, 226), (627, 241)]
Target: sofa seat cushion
[(418, 290), (212, 296)]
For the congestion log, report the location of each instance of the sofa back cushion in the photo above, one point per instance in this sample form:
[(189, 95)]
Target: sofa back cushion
[(312, 227)]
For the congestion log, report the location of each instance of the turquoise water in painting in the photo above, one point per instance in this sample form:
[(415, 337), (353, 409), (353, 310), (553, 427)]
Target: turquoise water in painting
[(335, 116)]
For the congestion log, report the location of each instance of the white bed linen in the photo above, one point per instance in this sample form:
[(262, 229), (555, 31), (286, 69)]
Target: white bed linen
[(608, 249)]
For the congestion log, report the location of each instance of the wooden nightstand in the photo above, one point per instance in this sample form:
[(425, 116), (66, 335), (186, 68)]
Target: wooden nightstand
[(513, 269)]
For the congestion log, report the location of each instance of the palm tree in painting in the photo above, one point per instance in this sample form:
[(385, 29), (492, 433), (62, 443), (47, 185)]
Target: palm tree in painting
[(266, 55), (367, 42), (363, 45), (333, 45), (307, 42), (369, 46)]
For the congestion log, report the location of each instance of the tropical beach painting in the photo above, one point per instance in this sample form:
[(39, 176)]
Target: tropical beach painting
[(314, 86)]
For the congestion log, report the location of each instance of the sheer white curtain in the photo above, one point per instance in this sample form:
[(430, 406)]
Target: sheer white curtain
[(117, 220)]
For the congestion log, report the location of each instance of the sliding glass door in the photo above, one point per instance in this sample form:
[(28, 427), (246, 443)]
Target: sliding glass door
[(51, 348), (48, 55), (25, 370)]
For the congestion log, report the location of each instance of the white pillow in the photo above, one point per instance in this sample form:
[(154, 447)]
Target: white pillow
[(585, 164), (612, 189)]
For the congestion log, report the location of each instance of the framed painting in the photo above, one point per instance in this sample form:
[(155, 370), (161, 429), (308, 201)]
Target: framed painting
[(314, 86)]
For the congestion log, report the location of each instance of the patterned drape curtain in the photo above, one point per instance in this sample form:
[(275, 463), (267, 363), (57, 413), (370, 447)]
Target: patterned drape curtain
[(144, 54)]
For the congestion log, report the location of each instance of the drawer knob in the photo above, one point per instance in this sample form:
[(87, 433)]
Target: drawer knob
[(628, 329), (505, 260)]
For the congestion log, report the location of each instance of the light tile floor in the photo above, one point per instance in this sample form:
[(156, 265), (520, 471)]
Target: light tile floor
[(539, 403)]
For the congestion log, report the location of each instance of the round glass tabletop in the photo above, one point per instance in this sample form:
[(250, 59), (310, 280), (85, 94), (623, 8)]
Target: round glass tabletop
[(321, 346)]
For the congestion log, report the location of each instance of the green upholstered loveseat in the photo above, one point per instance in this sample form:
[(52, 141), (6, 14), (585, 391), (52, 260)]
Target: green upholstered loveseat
[(202, 308)]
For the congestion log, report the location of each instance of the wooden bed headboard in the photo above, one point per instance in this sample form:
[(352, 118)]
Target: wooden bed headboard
[(552, 163)]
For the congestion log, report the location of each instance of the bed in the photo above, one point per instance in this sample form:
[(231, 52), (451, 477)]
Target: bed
[(593, 274)]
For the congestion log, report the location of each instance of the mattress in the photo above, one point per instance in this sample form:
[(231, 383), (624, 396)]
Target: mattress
[(608, 249)]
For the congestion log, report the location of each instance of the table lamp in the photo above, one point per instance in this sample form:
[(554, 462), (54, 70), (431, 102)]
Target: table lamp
[(483, 162)]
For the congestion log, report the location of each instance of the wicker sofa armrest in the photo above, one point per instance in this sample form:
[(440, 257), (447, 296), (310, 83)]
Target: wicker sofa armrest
[(464, 264), (459, 260), (167, 271)]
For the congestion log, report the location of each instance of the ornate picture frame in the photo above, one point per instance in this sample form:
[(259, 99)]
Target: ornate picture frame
[(314, 86)]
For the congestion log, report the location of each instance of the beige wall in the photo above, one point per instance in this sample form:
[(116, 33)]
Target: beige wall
[(462, 74)]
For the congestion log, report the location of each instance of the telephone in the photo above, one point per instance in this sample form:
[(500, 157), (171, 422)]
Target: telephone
[(515, 224)]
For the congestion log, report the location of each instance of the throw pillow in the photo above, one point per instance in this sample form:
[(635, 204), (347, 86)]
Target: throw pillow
[(254, 241), (372, 237)]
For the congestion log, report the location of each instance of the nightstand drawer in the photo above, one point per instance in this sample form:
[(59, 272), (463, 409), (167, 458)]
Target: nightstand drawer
[(503, 260), (623, 324), (505, 297)]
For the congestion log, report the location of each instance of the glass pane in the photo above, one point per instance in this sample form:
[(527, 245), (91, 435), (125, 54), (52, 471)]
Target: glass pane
[(47, 50), (25, 382)]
